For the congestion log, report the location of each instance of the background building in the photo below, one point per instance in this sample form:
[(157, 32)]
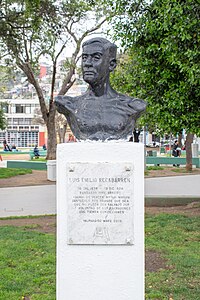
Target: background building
[(21, 129)]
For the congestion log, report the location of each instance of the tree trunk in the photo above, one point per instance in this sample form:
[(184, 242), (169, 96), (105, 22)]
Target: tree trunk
[(188, 145), (59, 135), (64, 132), (51, 131), (180, 136)]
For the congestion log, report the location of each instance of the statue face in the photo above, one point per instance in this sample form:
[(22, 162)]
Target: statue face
[(95, 63)]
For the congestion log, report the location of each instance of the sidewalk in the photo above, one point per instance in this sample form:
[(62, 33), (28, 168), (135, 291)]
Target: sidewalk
[(166, 191), (28, 200), (41, 200)]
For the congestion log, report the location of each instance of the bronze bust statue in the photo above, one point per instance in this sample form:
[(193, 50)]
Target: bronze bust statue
[(101, 113)]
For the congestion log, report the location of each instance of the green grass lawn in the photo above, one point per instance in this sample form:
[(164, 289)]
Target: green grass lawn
[(176, 237), (38, 159), (154, 168), (181, 170), (27, 260), (27, 264), (149, 168), (10, 172)]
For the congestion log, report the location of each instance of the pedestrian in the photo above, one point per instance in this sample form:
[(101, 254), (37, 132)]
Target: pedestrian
[(14, 148), (176, 152), (36, 152), (5, 145)]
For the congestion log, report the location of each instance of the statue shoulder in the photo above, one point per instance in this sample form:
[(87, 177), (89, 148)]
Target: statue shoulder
[(64, 98), (65, 104), (136, 104)]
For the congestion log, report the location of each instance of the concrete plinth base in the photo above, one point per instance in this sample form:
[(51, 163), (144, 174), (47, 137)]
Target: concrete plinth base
[(114, 268)]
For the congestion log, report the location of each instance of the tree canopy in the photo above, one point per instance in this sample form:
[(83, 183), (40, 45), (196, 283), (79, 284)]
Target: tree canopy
[(2, 120), (162, 40), (31, 30)]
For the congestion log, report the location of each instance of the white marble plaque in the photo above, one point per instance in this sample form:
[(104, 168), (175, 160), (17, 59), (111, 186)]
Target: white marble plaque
[(100, 200)]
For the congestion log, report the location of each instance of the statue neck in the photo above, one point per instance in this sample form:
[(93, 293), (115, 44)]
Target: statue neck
[(100, 89)]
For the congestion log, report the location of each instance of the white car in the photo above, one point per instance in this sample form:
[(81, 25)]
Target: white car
[(153, 144)]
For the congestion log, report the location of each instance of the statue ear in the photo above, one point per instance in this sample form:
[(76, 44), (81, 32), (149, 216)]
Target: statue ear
[(112, 65)]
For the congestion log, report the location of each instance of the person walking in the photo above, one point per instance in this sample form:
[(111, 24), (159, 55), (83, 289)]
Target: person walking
[(176, 152)]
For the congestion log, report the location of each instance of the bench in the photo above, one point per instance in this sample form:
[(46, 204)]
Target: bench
[(33, 165), (183, 152), (151, 160), (43, 153)]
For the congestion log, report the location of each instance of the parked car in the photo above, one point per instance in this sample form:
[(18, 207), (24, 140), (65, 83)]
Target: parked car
[(153, 144)]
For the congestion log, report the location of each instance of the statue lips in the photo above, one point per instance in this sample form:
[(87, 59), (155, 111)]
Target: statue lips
[(89, 73)]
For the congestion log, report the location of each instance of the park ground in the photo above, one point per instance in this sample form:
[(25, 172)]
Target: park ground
[(153, 259), (47, 224), (156, 261), (40, 177)]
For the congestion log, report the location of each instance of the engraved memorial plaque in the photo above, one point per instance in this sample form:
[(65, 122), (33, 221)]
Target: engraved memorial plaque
[(100, 203)]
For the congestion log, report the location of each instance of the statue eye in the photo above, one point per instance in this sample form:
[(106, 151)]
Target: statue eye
[(84, 57), (97, 56)]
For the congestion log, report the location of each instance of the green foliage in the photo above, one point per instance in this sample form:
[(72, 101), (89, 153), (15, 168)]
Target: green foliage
[(7, 78), (9, 172), (149, 168), (2, 120), (181, 170), (162, 40), (38, 159), (31, 29)]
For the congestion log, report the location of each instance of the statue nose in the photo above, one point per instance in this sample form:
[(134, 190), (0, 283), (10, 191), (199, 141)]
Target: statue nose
[(88, 62)]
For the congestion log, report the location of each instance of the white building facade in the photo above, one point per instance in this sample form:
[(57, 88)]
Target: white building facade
[(21, 130)]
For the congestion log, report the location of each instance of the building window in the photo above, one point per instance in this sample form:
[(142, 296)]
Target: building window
[(15, 121), (18, 121), (20, 109), (28, 109), (9, 121), (21, 138)]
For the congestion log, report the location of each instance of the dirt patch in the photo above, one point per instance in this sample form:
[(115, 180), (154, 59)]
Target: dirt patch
[(15, 156), (36, 178), (170, 171), (154, 261), (46, 224), (190, 210)]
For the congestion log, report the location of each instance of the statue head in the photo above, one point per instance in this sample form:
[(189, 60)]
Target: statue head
[(98, 60)]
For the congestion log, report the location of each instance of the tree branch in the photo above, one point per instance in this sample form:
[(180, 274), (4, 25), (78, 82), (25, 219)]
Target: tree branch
[(26, 68), (25, 46)]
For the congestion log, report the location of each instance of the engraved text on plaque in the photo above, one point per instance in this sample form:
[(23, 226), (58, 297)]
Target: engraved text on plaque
[(100, 203)]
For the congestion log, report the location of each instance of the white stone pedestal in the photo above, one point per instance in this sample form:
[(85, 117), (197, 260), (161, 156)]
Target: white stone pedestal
[(100, 221)]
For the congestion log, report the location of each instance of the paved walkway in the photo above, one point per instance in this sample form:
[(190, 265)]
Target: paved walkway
[(28, 200), (41, 200), (187, 185)]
